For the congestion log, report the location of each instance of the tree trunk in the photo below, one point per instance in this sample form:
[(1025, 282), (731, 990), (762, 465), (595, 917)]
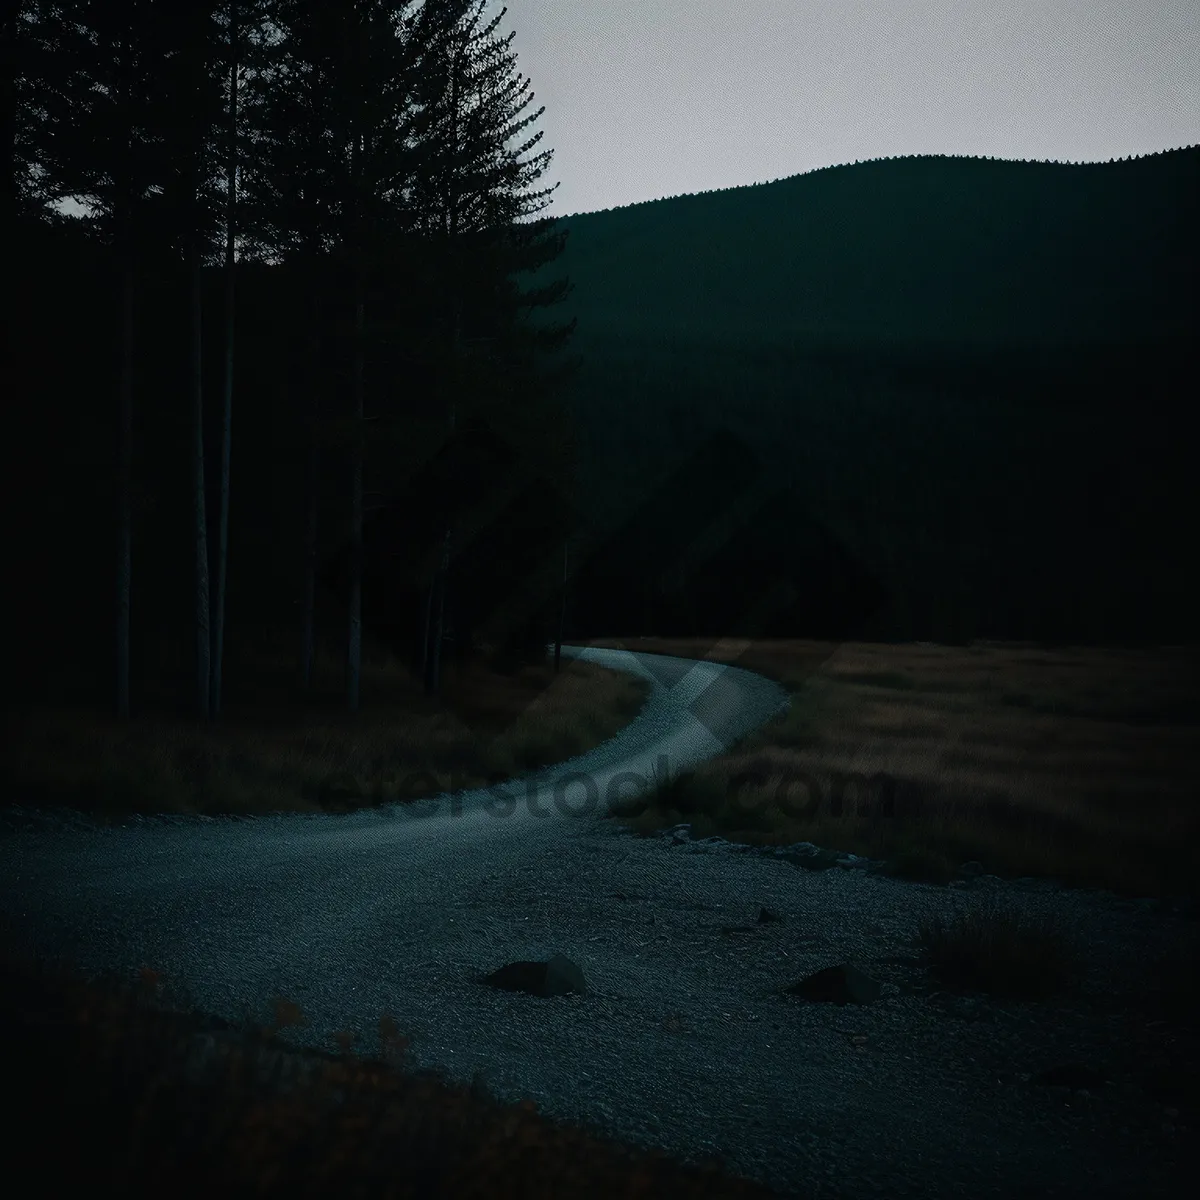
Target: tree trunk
[(227, 415), (562, 611), (354, 653), (647, 586), (435, 664), (357, 441), (124, 483), (452, 229), (310, 529), (203, 632), (444, 568), (125, 396), (426, 657)]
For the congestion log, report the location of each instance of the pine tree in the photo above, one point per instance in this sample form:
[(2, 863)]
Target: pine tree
[(381, 168), (234, 45), (244, 34), (196, 110), (338, 146), (105, 127), (476, 195), (284, 209)]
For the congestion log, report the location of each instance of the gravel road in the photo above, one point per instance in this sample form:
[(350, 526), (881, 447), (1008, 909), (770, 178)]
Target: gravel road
[(680, 1041)]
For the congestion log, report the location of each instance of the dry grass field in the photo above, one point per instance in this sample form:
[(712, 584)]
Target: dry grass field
[(276, 749), (1076, 764)]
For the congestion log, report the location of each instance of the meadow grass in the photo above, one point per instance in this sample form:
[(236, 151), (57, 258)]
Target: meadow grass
[(1076, 765), (277, 748)]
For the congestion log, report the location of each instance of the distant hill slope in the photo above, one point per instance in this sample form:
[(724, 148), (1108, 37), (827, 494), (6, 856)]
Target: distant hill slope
[(917, 251), (956, 386)]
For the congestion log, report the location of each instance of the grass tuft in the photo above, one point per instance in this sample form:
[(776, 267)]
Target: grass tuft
[(1001, 953)]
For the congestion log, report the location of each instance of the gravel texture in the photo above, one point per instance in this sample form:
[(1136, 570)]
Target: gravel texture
[(681, 1041)]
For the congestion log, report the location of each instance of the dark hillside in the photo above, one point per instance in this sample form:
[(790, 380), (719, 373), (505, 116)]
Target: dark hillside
[(923, 251), (969, 373)]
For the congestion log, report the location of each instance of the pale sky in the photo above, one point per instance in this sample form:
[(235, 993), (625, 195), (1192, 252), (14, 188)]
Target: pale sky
[(653, 98)]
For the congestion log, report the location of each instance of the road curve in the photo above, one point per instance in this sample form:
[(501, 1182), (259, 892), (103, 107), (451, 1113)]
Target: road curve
[(237, 907), (682, 1041)]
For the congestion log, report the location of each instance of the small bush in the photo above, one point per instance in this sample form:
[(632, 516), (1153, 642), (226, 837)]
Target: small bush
[(690, 793), (996, 952)]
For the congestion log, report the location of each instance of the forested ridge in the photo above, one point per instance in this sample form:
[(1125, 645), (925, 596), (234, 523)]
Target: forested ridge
[(960, 386)]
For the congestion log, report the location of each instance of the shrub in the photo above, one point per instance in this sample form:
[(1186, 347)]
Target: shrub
[(997, 952)]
